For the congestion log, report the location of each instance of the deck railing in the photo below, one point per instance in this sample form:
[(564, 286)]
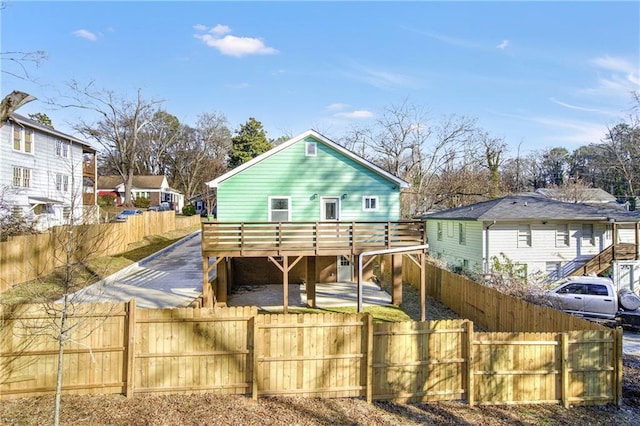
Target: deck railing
[(307, 238)]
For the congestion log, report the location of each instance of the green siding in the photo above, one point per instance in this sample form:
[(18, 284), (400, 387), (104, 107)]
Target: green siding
[(244, 197)]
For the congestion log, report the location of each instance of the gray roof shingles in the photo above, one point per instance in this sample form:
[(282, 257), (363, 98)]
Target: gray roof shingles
[(532, 207)]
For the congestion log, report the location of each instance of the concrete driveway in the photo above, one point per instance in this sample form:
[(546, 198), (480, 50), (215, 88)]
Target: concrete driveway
[(171, 278)]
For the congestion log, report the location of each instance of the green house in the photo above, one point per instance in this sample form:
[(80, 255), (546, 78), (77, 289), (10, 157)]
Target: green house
[(306, 211), (308, 178)]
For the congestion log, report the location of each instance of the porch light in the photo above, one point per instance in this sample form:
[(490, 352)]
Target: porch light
[(314, 196), (344, 196)]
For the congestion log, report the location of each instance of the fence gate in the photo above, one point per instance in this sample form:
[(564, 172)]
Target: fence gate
[(310, 355)]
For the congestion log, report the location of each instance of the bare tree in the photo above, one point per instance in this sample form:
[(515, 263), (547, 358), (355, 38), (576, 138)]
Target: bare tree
[(200, 154), (118, 131), (572, 191), (157, 142)]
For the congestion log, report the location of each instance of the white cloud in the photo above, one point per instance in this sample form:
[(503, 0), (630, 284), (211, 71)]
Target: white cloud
[(574, 131), (383, 79), (580, 108), (200, 27), (231, 45), (221, 29), (85, 34), (623, 77), (337, 106), (359, 113), (614, 64), (503, 44)]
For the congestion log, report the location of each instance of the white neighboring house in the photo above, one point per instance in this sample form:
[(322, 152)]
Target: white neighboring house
[(155, 188), (46, 174), (540, 235)]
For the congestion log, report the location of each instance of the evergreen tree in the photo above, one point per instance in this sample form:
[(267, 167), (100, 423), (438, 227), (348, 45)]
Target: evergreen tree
[(249, 142)]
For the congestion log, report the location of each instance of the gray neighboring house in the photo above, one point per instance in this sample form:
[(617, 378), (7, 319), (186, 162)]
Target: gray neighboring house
[(46, 174), (541, 235)]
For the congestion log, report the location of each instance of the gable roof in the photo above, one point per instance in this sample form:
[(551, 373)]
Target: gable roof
[(27, 122), (139, 182), (533, 207), (586, 195), (320, 138)]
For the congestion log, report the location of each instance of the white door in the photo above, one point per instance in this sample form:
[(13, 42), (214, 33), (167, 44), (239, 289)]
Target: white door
[(330, 208), (344, 269)]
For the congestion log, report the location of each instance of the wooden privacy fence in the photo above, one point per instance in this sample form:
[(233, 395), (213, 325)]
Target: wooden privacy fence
[(236, 351), (26, 257), (488, 308)]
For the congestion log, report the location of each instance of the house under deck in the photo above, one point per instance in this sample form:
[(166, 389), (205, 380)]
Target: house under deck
[(286, 244)]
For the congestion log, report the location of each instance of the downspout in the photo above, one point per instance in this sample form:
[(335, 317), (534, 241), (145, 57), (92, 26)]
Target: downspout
[(375, 252), (486, 247)]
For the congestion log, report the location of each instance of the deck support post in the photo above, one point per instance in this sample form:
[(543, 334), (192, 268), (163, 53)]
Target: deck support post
[(396, 279), (222, 287), (311, 280)]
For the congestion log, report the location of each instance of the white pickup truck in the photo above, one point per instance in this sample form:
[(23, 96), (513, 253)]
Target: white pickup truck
[(596, 298)]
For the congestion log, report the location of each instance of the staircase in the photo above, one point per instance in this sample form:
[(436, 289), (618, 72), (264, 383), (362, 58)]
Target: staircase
[(599, 263)]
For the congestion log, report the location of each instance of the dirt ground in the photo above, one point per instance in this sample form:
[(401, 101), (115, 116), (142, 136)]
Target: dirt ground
[(208, 409)]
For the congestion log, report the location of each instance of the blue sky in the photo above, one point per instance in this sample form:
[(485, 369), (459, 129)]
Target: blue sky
[(538, 74)]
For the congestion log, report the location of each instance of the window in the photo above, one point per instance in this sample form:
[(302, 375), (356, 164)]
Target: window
[(553, 270), (279, 209), (62, 148), (439, 230), (462, 234), (28, 140), (62, 183), (562, 235), (369, 203), (21, 177), (147, 194), (310, 149), (23, 139), (524, 235), (587, 234)]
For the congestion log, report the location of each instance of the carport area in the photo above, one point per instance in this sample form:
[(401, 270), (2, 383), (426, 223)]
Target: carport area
[(328, 295)]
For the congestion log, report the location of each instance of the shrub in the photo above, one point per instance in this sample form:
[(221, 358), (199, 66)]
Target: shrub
[(142, 202), (189, 210), (107, 200)]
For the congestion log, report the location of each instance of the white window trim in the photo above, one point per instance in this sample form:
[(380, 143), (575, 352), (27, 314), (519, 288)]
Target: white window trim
[(588, 240), (462, 234), (563, 238), (439, 231), (370, 197), (23, 130), (22, 178), (527, 241), (307, 147), (289, 211), (62, 148)]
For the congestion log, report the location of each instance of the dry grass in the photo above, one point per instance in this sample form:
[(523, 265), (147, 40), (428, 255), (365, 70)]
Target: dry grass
[(48, 289)]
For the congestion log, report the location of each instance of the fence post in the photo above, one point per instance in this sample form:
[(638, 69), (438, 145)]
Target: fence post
[(130, 348), (617, 398), (256, 351), (470, 365), (564, 362), (369, 383)]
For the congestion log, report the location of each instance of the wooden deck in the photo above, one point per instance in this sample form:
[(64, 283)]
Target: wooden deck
[(262, 239)]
